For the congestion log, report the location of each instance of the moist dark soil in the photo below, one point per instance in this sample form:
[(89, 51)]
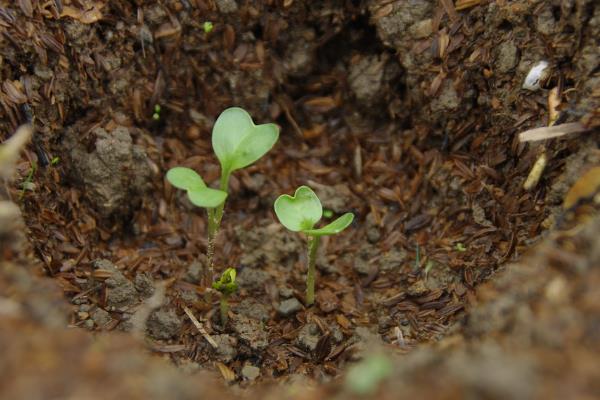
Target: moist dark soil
[(407, 113)]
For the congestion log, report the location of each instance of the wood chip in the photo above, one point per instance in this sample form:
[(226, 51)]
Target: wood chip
[(200, 328), (225, 371), (548, 132)]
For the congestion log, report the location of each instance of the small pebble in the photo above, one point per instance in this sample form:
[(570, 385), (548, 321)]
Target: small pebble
[(289, 307), (250, 372)]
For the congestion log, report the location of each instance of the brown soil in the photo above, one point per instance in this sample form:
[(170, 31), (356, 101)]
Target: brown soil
[(405, 112)]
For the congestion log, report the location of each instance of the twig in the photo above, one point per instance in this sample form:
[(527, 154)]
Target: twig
[(548, 132), (200, 328)]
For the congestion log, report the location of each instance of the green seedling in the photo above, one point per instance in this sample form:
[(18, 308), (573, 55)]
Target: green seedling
[(365, 377), (227, 286), (28, 181), (55, 160), (237, 143), (300, 213), (207, 26), (156, 114), (460, 247)]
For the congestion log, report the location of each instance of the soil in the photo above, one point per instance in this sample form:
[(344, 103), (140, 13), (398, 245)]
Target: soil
[(406, 113)]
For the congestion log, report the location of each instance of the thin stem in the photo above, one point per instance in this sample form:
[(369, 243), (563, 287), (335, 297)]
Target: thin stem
[(224, 306), (214, 223), (224, 183), (210, 247), (313, 246)]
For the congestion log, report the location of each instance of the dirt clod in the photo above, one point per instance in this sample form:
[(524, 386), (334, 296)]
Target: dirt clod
[(251, 332), (164, 324), (250, 372), (100, 317), (308, 337), (252, 278), (195, 271), (253, 309), (226, 350), (144, 285), (115, 174), (120, 291), (227, 6), (289, 307)]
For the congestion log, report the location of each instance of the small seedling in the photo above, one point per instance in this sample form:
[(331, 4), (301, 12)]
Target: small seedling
[(300, 213), (55, 160), (28, 181), (156, 114), (365, 377), (237, 143), (207, 26), (460, 247), (227, 286)]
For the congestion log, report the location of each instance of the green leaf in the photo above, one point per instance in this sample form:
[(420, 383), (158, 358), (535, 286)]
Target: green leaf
[(365, 377), (207, 197), (185, 178), (226, 284), (299, 212), (199, 194), (333, 228), (237, 142)]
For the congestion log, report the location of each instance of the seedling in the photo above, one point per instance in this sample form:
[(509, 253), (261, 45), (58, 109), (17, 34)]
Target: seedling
[(156, 114), (208, 27), (237, 143), (365, 377), (300, 213), (227, 286), (28, 181)]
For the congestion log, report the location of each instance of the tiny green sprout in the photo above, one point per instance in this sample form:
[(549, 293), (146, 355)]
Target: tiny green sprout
[(28, 181), (237, 143), (365, 377), (460, 247), (227, 286), (327, 213), (300, 213), (55, 161), (207, 26), (156, 114)]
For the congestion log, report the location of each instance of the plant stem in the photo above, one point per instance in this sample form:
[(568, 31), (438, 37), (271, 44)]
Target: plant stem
[(214, 223), (313, 246), (210, 247), (224, 306), (224, 183)]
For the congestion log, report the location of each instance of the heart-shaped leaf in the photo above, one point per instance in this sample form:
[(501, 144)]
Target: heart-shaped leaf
[(333, 228), (199, 194), (299, 212), (207, 197), (237, 142), (185, 178)]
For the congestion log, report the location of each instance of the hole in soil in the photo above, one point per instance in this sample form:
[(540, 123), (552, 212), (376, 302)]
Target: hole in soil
[(437, 194)]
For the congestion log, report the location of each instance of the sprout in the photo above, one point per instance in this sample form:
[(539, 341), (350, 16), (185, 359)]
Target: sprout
[(207, 26), (156, 114), (227, 286), (365, 377), (300, 213), (237, 142)]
